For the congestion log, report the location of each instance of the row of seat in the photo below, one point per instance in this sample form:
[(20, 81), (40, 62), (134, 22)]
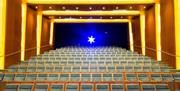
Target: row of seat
[(91, 77), (87, 68), (126, 63), (86, 87)]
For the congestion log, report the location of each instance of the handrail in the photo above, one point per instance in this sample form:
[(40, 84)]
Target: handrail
[(170, 54), (14, 53)]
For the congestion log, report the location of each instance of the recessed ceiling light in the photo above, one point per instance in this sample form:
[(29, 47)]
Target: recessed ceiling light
[(59, 17), (77, 8), (90, 8), (144, 7), (36, 7), (80, 17), (130, 7), (50, 7), (111, 17), (103, 8), (63, 7), (117, 7)]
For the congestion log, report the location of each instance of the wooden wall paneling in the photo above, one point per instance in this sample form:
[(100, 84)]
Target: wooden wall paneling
[(136, 34), (45, 35), (30, 45), (150, 33), (13, 32), (168, 32)]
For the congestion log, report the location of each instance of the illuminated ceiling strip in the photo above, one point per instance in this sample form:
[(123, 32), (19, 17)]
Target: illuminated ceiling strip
[(91, 1), (115, 12), (91, 20)]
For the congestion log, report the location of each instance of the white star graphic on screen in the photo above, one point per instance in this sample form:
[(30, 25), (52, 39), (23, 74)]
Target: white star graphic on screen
[(91, 39)]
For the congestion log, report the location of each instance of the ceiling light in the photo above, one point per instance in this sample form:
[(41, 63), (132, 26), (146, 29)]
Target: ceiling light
[(77, 8), (59, 17), (90, 8), (80, 17), (103, 8), (50, 7), (130, 7), (63, 7), (111, 17), (117, 7), (144, 7), (36, 7)]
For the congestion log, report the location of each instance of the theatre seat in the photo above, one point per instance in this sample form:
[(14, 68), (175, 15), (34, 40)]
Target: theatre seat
[(133, 87), (41, 87), (52, 77), (56, 87), (25, 87), (71, 87), (96, 77), (162, 87), (143, 77), (148, 87), (64, 77), (20, 77), (102, 87), (117, 87), (75, 77), (85, 77), (11, 87), (86, 87), (118, 77)]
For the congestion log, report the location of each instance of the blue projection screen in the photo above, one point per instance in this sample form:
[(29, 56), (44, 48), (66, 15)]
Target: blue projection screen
[(91, 34)]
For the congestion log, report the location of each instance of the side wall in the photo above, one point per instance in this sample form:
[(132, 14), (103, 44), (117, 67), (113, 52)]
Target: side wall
[(30, 46), (150, 33), (45, 35), (168, 32), (13, 32), (136, 35)]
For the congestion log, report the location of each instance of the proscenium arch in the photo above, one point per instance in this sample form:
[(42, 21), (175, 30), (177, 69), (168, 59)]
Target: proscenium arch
[(94, 21)]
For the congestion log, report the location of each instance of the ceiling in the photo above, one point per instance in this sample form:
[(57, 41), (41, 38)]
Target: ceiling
[(89, 7)]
